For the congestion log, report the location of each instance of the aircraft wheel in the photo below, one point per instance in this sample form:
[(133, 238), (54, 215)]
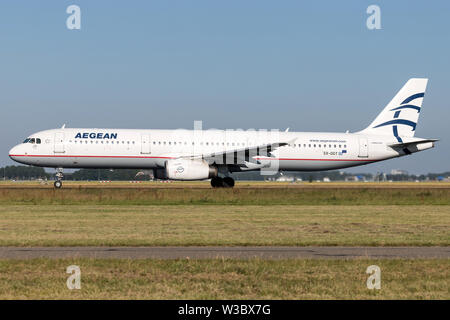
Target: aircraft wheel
[(58, 184), (216, 182), (228, 182)]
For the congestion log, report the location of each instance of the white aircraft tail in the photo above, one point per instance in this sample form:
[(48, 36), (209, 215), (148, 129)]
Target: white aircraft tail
[(399, 118)]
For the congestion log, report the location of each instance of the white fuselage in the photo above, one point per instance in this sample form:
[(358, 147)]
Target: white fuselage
[(198, 155), (147, 149)]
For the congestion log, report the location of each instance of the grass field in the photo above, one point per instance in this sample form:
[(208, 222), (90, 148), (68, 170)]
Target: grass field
[(156, 214), (224, 279), (287, 225), (178, 195), (239, 184)]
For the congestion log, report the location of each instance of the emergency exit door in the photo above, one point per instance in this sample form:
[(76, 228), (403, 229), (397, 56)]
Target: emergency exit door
[(59, 142), (363, 148), (145, 144)]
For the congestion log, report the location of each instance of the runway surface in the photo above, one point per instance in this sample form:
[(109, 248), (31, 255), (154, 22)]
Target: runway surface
[(225, 252)]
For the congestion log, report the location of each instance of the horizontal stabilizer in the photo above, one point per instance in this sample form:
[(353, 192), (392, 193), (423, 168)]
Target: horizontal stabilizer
[(411, 143)]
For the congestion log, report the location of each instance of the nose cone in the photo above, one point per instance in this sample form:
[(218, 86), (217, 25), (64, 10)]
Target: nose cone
[(13, 153)]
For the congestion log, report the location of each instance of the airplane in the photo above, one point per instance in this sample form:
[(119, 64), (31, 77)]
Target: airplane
[(214, 154)]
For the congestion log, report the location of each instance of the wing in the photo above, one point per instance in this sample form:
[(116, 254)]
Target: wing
[(240, 156)]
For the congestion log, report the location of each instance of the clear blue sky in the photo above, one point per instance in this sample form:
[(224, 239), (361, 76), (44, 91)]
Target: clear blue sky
[(311, 66)]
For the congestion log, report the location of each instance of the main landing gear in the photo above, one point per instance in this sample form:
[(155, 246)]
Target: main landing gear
[(226, 182), (59, 176)]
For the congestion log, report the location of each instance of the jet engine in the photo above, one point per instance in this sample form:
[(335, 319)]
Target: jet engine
[(186, 169)]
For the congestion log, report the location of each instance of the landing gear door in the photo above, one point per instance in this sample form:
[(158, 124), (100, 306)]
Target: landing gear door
[(145, 144), (363, 148), (59, 142)]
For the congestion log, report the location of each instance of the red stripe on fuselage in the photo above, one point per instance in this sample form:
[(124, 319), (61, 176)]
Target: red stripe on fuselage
[(143, 157), (295, 159), (78, 156)]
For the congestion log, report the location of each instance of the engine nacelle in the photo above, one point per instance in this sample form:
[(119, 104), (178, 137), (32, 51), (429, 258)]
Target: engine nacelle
[(185, 169)]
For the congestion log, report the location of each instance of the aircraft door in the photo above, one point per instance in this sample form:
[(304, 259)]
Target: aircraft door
[(59, 142), (145, 144), (363, 148)]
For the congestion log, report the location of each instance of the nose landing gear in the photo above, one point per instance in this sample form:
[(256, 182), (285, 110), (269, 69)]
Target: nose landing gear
[(59, 176), (226, 182)]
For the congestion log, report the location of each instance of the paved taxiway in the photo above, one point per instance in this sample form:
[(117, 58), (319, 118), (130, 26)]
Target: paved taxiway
[(224, 252)]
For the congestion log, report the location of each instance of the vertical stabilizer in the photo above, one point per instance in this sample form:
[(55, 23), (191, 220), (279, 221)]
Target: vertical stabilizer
[(399, 118)]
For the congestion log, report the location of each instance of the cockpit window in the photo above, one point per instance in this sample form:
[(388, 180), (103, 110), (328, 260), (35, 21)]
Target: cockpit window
[(33, 140)]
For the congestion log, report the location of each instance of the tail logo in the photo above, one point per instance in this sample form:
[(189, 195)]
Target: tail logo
[(404, 105)]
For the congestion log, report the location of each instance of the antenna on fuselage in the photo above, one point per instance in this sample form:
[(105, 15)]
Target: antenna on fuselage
[(63, 126)]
